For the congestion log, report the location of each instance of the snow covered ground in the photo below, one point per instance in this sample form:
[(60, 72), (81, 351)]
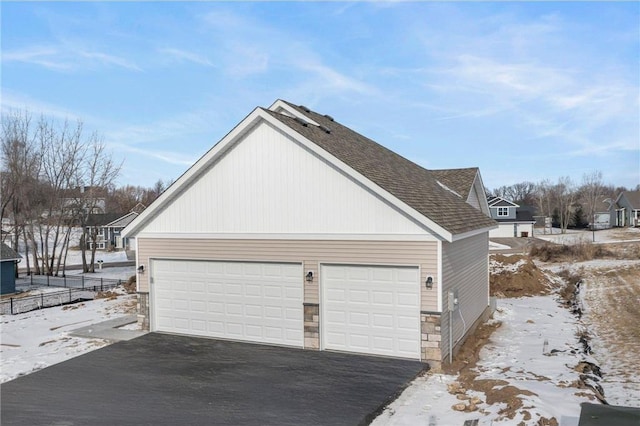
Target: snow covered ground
[(116, 273), (74, 255), (517, 355), (38, 339), (574, 236)]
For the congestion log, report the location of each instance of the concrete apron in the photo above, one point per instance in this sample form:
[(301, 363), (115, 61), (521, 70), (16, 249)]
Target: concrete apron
[(108, 330)]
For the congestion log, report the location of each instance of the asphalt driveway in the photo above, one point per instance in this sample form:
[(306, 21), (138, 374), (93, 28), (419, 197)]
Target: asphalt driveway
[(160, 379)]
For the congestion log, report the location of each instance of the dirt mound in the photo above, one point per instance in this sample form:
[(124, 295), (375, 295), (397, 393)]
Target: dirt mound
[(516, 276), (130, 286)]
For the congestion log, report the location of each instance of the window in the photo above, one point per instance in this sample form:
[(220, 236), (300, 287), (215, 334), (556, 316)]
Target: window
[(503, 211)]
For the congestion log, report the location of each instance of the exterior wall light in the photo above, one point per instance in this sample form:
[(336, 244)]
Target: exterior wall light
[(429, 283), (141, 269), (309, 276)]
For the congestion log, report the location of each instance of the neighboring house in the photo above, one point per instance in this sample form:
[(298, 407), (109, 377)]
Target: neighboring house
[(8, 260), (113, 233), (295, 230), (467, 183), (601, 217), (625, 211), (108, 228), (513, 221)]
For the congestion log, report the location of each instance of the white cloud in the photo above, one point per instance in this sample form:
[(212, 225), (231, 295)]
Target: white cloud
[(65, 57), (187, 56), (45, 56)]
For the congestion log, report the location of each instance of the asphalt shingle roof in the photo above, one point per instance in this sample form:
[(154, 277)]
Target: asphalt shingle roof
[(459, 180), (123, 221), (409, 182), (7, 253), (634, 198)]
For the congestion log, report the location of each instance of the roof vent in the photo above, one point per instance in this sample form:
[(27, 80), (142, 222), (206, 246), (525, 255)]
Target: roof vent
[(328, 117), (301, 121), (304, 108), (325, 129)]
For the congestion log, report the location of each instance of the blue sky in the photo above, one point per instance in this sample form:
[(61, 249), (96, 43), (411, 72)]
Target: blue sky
[(525, 91)]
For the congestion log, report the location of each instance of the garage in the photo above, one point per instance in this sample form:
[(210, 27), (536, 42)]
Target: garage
[(249, 301), (371, 309)]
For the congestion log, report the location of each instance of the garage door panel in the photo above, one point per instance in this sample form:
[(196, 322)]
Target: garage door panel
[(371, 309), (259, 302)]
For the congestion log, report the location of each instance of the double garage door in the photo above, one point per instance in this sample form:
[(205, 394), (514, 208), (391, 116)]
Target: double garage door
[(364, 309)]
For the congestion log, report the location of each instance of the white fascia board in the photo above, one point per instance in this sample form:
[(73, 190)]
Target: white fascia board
[(367, 183), (280, 104), (498, 199), (270, 236), (464, 235), (193, 172)]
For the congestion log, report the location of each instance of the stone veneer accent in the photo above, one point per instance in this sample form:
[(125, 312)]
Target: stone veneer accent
[(430, 339), (311, 326), (143, 310)]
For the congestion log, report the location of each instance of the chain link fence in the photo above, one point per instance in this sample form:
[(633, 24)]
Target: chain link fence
[(74, 289)]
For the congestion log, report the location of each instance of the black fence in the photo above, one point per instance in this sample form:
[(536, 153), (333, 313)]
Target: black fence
[(76, 289)]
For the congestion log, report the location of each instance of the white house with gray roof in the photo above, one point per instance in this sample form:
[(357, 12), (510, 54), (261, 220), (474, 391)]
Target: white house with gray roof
[(295, 230)]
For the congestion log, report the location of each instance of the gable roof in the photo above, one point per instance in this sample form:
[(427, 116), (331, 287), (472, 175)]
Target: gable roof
[(412, 188), (633, 197), (123, 221), (459, 180), (500, 202), (101, 219), (7, 253)]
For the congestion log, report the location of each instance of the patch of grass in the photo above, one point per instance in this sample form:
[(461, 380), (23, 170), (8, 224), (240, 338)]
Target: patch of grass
[(561, 252)]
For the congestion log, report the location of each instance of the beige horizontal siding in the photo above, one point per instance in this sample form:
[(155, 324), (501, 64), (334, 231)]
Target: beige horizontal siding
[(310, 253), (465, 267)]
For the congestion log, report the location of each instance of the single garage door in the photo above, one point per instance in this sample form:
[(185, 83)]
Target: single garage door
[(249, 301), (371, 309)]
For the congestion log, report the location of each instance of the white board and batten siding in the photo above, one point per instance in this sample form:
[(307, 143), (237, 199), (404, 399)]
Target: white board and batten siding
[(465, 268), (248, 301), (371, 310), (248, 190)]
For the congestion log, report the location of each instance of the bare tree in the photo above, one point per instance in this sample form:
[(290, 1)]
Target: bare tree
[(19, 174), (523, 193), (62, 150), (42, 167), (564, 194), (97, 173), (593, 193)]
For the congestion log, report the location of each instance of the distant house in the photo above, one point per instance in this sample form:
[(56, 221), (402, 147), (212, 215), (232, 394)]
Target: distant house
[(8, 260), (513, 221), (601, 216), (108, 228), (625, 211)]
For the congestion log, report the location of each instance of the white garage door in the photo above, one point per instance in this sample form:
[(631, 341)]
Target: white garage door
[(256, 302), (371, 309)]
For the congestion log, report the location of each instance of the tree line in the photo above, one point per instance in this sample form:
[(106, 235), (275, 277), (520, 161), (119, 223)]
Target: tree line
[(568, 203), (55, 177)]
